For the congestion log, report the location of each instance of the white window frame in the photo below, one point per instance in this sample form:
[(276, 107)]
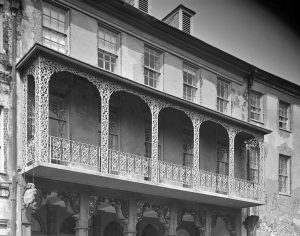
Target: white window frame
[(254, 108), (253, 164), (287, 118), (105, 52), (222, 161), (157, 54), (65, 119), (66, 25), (188, 146), (286, 175), (194, 87), (223, 99)]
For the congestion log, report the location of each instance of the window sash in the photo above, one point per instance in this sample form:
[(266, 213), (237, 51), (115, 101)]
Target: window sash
[(189, 92), (222, 96), (253, 164), (54, 28), (152, 59), (222, 90), (284, 174), (284, 114), (255, 107), (107, 61), (151, 77), (222, 105), (107, 40)]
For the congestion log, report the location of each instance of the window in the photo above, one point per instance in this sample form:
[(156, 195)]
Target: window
[(186, 23), (222, 96), (284, 174), (222, 159), (253, 164), (54, 28), (57, 116), (188, 147), (107, 49), (284, 115), (113, 142), (152, 64), (256, 107), (143, 5), (148, 138), (189, 83)]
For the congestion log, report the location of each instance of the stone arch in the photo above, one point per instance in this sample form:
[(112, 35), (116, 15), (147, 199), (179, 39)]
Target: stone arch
[(113, 228)]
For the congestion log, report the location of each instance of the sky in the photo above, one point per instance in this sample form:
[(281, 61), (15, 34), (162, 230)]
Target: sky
[(245, 30)]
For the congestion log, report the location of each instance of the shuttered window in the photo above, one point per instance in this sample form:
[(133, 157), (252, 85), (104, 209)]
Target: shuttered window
[(143, 5), (186, 23)]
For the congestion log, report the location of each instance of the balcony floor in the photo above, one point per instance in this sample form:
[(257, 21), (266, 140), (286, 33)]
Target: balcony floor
[(125, 183)]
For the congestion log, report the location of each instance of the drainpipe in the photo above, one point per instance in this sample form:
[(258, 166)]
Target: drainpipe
[(14, 8)]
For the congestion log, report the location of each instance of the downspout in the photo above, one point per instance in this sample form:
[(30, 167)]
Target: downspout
[(14, 8)]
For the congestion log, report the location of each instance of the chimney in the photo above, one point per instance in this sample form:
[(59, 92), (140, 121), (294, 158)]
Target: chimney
[(142, 5), (180, 18)]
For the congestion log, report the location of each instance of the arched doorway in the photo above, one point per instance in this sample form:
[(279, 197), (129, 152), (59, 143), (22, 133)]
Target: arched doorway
[(182, 232), (113, 229), (149, 230)]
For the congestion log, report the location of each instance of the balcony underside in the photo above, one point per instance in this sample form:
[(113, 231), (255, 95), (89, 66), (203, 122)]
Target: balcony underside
[(126, 183)]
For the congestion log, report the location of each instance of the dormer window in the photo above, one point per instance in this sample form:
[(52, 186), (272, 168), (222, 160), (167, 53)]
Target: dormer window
[(142, 5), (180, 18)]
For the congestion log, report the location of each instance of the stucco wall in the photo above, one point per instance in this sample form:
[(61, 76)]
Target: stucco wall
[(281, 213)]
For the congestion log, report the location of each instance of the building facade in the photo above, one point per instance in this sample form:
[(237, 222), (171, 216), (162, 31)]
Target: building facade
[(112, 127)]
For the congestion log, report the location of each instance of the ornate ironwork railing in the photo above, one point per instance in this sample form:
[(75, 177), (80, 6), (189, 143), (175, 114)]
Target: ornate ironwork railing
[(213, 181), (246, 188), (125, 163), (64, 151), (81, 155), (175, 173)]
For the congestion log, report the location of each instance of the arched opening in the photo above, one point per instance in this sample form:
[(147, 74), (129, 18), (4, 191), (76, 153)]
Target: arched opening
[(149, 230), (214, 156), (129, 135), (246, 158), (74, 125), (214, 143), (176, 146), (37, 225), (68, 226), (182, 232), (113, 229), (219, 228)]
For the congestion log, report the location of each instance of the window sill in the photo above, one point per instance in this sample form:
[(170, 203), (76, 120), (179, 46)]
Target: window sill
[(285, 130), (285, 194), (257, 121)]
